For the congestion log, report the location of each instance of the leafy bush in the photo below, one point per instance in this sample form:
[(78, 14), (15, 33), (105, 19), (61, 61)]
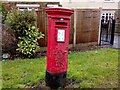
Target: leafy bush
[(9, 42), (23, 23), (28, 44), (19, 21), (3, 11)]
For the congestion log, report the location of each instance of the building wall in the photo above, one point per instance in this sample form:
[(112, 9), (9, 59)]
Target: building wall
[(105, 4), (90, 4), (32, 0)]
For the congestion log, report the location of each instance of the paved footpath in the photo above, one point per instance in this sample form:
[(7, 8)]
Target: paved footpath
[(116, 42)]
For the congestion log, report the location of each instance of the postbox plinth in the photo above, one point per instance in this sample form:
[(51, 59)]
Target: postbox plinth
[(57, 49)]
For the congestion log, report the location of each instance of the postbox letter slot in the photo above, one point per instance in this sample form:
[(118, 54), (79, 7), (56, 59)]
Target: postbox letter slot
[(61, 23)]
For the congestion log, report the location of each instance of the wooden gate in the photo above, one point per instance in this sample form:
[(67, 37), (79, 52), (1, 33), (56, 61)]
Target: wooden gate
[(107, 28)]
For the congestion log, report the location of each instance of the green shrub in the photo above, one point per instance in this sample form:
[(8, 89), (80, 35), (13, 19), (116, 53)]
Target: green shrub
[(19, 21), (28, 44), (23, 23), (8, 38), (9, 41), (3, 11)]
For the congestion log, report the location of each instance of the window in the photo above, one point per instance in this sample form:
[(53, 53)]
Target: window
[(28, 7), (52, 5), (108, 0)]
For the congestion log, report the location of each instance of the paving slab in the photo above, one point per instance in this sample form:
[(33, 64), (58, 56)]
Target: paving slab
[(116, 42)]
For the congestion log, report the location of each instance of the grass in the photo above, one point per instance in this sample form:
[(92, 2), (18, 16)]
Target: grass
[(93, 69)]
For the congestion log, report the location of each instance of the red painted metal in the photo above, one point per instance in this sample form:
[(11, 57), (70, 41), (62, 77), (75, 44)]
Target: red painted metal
[(57, 51)]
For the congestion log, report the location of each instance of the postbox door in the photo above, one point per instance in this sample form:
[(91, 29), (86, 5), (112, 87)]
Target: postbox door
[(61, 51), (58, 50)]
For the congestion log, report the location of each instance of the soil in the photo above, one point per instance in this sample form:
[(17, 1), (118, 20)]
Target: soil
[(78, 49), (69, 85), (43, 54)]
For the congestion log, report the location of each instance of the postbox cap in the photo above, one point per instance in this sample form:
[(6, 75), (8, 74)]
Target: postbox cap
[(61, 7), (59, 11)]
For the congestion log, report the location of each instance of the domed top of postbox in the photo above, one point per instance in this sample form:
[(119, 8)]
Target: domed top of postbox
[(59, 11)]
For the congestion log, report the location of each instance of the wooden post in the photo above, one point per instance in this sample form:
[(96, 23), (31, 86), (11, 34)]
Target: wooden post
[(75, 21), (99, 33), (34, 12)]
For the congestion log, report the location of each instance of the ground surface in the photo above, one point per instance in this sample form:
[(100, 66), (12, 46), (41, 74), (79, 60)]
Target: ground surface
[(116, 42), (89, 69)]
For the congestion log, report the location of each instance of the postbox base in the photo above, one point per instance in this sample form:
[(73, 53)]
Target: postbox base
[(55, 80)]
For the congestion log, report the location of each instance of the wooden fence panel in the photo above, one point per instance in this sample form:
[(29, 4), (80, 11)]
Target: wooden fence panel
[(42, 25), (71, 30), (87, 25)]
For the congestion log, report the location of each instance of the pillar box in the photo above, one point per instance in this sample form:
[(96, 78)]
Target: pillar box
[(57, 48)]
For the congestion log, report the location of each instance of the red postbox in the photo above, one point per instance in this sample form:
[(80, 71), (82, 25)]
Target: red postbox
[(57, 49)]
